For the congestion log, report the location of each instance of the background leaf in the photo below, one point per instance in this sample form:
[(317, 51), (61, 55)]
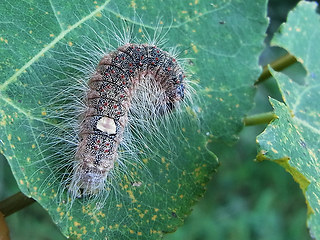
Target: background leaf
[(293, 139), (225, 65)]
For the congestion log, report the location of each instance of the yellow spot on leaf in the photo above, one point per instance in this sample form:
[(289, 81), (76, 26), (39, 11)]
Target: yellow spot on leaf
[(194, 48), (101, 214), (21, 182), (274, 150), (3, 121), (132, 196), (167, 166), (33, 146), (154, 217), (312, 154), (9, 137), (51, 35), (70, 44), (133, 4), (76, 224), (119, 205), (43, 113), (145, 160)]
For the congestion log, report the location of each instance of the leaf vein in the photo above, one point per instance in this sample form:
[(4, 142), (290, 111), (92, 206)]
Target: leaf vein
[(55, 14), (15, 76)]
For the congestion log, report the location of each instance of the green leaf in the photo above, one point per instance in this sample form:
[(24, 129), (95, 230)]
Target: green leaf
[(293, 139), (223, 41)]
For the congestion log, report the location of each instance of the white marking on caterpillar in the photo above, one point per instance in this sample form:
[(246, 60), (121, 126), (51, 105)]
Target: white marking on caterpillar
[(107, 125)]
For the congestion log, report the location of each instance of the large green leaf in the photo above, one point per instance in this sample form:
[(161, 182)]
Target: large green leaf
[(293, 139), (223, 40)]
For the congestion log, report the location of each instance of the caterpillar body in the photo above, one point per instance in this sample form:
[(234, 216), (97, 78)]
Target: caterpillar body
[(133, 69)]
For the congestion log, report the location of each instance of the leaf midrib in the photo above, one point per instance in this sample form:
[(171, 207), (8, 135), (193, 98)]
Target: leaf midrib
[(15, 76)]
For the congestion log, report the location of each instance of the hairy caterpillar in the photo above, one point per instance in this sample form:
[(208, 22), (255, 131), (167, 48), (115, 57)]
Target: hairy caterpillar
[(145, 70)]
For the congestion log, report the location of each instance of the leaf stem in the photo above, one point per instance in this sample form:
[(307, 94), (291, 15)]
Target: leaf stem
[(15, 203), (261, 118), (279, 64)]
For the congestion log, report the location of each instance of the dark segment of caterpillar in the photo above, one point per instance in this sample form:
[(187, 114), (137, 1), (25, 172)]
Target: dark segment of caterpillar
[(111, 89)]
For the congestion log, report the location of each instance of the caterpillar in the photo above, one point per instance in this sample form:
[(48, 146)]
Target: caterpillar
[(130, 70)]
